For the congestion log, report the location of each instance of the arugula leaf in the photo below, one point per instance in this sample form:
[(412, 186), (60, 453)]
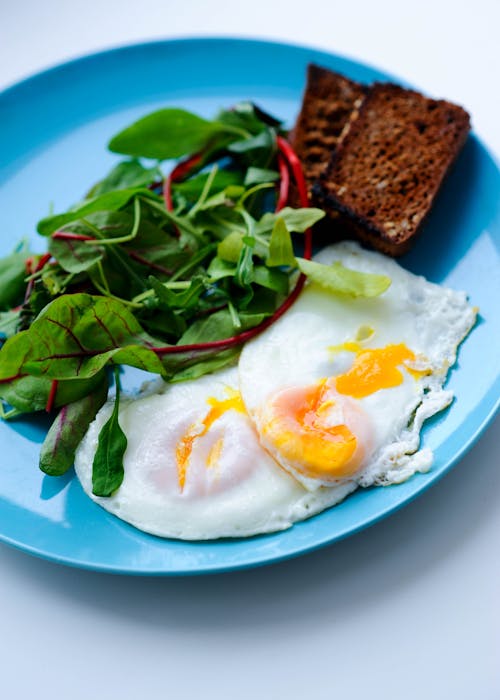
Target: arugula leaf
[(296, 220), (107, 467), (273, 279), (66, 432), (255, 176), (167, 133), (128, 173), (280, 246), (229, 249), (342, 280)]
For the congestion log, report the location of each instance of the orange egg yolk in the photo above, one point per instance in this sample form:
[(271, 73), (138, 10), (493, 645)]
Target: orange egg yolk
[(319, 429), (197, 430), (374, 369), (298, 423)]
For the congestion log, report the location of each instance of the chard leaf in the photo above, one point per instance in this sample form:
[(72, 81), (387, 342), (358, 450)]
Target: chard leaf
[(76, 335), (30, 394), (109, 201), (66, 432), (342, 280), (167, 133), (73, 255), (107, 467), (128, 173), (296, 220), (280, 246), (229, 249), (12, 274)]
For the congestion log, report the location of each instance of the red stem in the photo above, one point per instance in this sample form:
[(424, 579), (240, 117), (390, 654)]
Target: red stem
[(39, 266), (178, 174), (66, 235), (52, 396), (284, 188)]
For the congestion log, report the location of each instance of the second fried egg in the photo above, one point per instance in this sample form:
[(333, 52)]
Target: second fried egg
[(339, 387)]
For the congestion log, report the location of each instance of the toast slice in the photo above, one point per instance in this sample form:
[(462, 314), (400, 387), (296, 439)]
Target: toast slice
[(385, 173), (328, 101)]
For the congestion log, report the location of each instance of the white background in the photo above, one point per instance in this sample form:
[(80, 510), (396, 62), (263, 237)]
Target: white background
[(408, 609)]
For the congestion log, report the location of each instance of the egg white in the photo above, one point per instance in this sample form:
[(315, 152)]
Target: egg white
[(297, 351), (244, 493)]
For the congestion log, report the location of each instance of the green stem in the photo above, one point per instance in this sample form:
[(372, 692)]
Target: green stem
[(122, 239)]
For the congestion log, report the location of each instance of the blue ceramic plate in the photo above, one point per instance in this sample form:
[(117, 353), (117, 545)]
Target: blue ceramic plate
[(55, 127)]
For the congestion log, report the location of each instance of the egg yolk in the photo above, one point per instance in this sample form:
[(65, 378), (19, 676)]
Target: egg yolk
[(374, 369), (320, 430), (185, 445), (308, 428)]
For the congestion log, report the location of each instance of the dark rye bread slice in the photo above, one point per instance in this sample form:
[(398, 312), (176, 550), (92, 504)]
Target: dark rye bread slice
[(328, 101), (387, 169)]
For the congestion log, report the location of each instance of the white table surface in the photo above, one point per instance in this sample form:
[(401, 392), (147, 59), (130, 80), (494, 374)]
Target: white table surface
[(408, 609)]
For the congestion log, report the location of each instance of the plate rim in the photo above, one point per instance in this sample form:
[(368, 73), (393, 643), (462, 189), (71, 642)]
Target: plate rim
[(253, 560)]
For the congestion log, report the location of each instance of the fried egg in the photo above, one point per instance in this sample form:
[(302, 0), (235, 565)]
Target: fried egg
[(194, 468), (339, 387)]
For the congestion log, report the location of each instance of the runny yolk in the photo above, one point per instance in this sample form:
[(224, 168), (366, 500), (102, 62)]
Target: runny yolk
[(374, 369), (298, 423), (185, 445)]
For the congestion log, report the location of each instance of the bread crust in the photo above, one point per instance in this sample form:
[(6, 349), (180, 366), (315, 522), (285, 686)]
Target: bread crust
[(389, 163), (327, 104)]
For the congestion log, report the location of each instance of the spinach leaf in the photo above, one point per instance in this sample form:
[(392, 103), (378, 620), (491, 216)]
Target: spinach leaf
[(66, 432), (107, 467), (167, 133)]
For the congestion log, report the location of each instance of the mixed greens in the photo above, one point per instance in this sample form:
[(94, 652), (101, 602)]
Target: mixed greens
[(168, 274)]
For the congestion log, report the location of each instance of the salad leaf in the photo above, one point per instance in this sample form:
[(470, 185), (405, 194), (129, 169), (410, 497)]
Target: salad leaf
[(12, 274), (29, 394), (342, 280), (296, 220), (76, 335), (66, 432), (167, 133), (109, 201), (128, 173), (280, 246), (107, 467)]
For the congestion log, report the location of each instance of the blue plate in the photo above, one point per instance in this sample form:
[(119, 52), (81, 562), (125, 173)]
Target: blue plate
[(55, 127)]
